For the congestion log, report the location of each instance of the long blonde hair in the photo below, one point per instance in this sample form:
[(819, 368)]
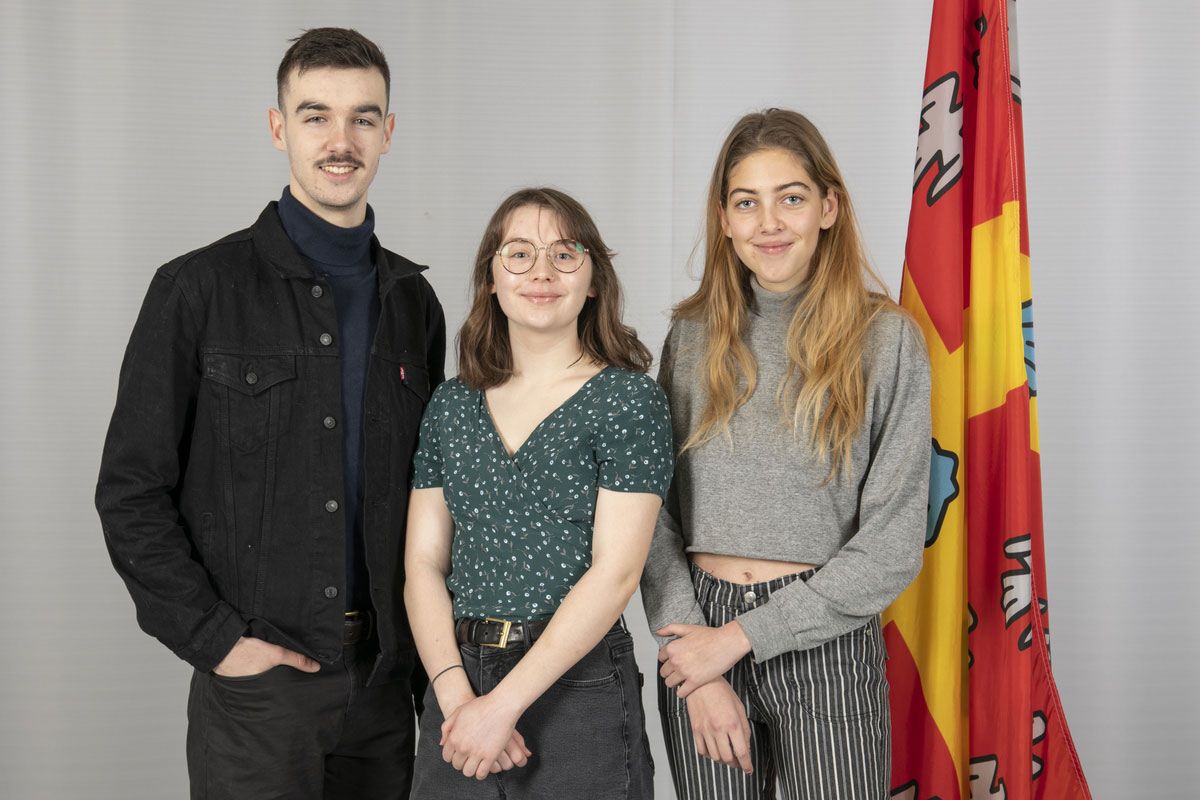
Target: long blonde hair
[(828, 331)]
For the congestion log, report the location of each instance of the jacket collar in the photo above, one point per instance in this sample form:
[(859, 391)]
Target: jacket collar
[(272, 242)]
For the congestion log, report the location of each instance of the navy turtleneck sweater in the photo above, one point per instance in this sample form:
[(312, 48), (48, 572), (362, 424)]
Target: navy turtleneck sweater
[(342, 258)]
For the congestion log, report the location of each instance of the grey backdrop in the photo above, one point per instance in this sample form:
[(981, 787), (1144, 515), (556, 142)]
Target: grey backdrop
[(136, 131)]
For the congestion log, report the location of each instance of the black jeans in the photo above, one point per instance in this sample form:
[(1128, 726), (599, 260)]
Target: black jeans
[(301, 736), (587, 732)]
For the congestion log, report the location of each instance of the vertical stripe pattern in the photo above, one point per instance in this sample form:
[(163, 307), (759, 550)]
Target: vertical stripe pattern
[(819, 720)]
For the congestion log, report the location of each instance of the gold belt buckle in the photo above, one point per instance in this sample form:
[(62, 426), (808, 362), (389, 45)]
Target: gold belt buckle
[(503, 643)]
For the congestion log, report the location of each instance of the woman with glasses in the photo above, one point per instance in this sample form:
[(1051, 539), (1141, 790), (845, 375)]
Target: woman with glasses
[(536, 484), (797, 513)]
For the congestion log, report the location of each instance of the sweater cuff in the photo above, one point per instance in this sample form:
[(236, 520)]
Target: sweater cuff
[(694, 615), (767, 629)]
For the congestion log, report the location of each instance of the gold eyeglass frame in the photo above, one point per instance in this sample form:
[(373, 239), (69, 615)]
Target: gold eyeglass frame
[(537, 251)]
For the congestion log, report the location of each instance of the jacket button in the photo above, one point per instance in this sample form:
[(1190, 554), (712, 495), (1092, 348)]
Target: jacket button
[(317, 291), (325, 339), (251, 378), (331, 506), (331, 592), (330, 423)]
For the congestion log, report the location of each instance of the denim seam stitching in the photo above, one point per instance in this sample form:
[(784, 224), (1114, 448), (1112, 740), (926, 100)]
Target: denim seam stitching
[(268, 510), (207, 731), (624, 717)]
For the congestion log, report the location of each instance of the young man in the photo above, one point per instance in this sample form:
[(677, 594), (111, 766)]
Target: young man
[(254, 483)]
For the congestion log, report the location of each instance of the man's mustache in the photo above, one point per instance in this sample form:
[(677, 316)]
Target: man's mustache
[(340, 161)]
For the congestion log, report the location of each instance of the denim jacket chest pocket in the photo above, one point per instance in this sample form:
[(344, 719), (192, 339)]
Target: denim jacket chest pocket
[(251, 408), (406, 390)]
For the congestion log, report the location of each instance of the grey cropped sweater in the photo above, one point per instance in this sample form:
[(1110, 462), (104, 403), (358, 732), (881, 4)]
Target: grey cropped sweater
[(761, 491)]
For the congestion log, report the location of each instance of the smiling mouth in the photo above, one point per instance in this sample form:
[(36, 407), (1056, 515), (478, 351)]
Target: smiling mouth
[(338, 169), (773, 249), (541, 298)]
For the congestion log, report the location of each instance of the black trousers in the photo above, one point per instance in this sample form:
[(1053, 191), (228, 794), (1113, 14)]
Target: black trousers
[(301, 736)]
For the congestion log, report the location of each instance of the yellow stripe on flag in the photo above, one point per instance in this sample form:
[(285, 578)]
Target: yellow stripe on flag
[(929, 615), (996, 353), (1033, 426)]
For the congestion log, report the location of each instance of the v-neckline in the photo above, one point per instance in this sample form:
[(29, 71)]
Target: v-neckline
[(487, 412)]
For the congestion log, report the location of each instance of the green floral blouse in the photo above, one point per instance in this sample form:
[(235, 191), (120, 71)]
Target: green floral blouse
[(523, 523)]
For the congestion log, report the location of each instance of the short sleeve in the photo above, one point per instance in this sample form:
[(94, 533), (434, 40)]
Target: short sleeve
[(427, 463), (633, 447)]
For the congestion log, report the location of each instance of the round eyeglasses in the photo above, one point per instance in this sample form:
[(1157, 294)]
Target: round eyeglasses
[(518, 256)]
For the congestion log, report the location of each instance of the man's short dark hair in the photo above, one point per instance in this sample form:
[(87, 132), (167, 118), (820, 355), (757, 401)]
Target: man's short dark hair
[(342, 48)]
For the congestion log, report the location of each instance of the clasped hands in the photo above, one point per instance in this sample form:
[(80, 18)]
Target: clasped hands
[(694, 665), (480, 738)]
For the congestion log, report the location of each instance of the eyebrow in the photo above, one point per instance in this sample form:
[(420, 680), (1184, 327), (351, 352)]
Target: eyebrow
[(313, 105), (779, 188)]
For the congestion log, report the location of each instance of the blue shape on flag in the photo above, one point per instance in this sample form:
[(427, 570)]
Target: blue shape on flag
[(1027, 330), (943, 488)]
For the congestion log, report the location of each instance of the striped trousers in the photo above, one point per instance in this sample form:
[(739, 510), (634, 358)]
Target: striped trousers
[(819, 720)]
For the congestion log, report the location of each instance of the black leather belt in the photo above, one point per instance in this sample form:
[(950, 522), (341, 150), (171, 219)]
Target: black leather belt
[(498, 632), (356, 627)]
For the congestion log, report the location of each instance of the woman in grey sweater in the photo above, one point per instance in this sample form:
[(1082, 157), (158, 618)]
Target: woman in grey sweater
[(800, 403)]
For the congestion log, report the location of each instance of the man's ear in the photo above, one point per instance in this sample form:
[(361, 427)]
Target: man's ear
[(389, 126), (275, 123)]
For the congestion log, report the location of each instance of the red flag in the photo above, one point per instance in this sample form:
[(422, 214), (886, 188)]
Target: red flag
[(975, 710)]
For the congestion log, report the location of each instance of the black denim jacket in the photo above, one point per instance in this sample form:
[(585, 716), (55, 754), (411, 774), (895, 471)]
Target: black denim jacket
[(220, 488)]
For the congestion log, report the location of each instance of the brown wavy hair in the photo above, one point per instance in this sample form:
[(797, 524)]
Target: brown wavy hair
[(484, 351), (823, 393)]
